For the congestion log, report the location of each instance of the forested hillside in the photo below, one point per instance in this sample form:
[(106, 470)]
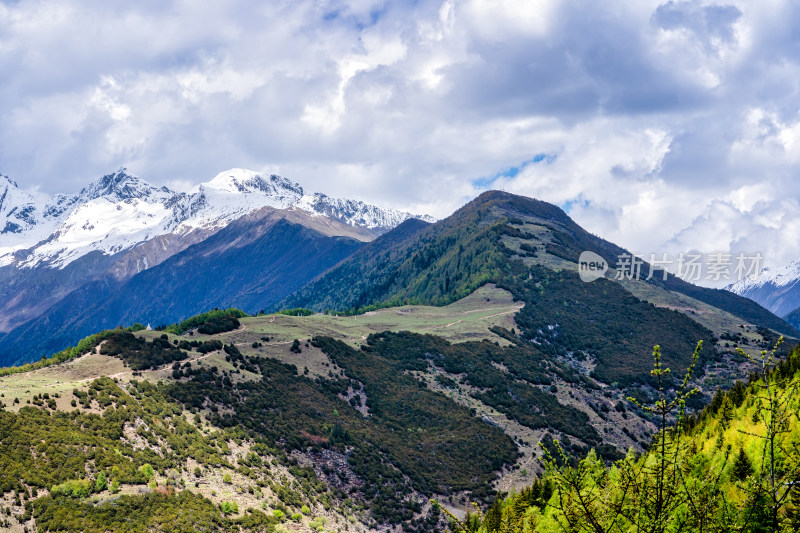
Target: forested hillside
[(734, 466), (364, 444), (441, 262)]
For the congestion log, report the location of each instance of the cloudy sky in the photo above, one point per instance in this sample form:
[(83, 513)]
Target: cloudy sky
[(660, 126)]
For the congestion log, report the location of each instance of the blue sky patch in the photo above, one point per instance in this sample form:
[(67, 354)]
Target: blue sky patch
[(511, 172)]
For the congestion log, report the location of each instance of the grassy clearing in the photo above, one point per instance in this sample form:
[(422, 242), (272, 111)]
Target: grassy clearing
[(467, 319), (58, 379)]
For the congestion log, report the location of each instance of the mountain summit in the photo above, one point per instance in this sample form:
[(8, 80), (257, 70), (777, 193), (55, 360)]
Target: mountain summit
[(240, 180), (120, 210), (17, 208), (121, 186), (777, 289)]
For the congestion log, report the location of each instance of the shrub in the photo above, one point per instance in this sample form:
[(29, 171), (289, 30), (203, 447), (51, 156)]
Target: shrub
[(219, 325), (100, 484), (140, 354), (78, 488), (203, 318), (147, 470), (229, 507)]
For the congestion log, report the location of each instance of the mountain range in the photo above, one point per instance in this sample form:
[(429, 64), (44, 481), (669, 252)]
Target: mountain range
[(425, 363), (68, 255), (120, 211)]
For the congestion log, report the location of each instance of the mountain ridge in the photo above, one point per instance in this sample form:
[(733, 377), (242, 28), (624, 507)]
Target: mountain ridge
[(251, 263), (385, 409), (120, 210), (400, 284), (120, 225), (487, 240)]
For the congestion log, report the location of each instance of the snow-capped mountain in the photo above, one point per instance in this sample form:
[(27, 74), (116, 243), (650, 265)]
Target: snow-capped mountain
[(353, 212), (22, 217), (17, 208), (777, 289), (119, 211), (778, 277), (110, 215), (238, 191)]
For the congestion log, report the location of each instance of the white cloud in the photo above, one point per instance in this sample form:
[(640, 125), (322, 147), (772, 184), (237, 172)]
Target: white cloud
[(666, 124)]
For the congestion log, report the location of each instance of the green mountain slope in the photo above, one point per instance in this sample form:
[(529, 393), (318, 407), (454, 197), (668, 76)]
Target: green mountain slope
[(440, 263), (732, 467), (75, 454), (356, 438), (531, 248), (436, 264), (353, 422)]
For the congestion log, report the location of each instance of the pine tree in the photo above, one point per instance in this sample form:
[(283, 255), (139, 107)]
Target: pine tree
[(780, 463), (727, 412), (742, 467)]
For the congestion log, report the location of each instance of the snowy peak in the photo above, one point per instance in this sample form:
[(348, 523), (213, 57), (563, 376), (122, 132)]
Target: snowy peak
[(238, 191), (777, 289), (233, 194), (777, 277), (354, 212), (6, 182), (18, 209), (111, 215), (120, 210), (121, 186), (242, 181)]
